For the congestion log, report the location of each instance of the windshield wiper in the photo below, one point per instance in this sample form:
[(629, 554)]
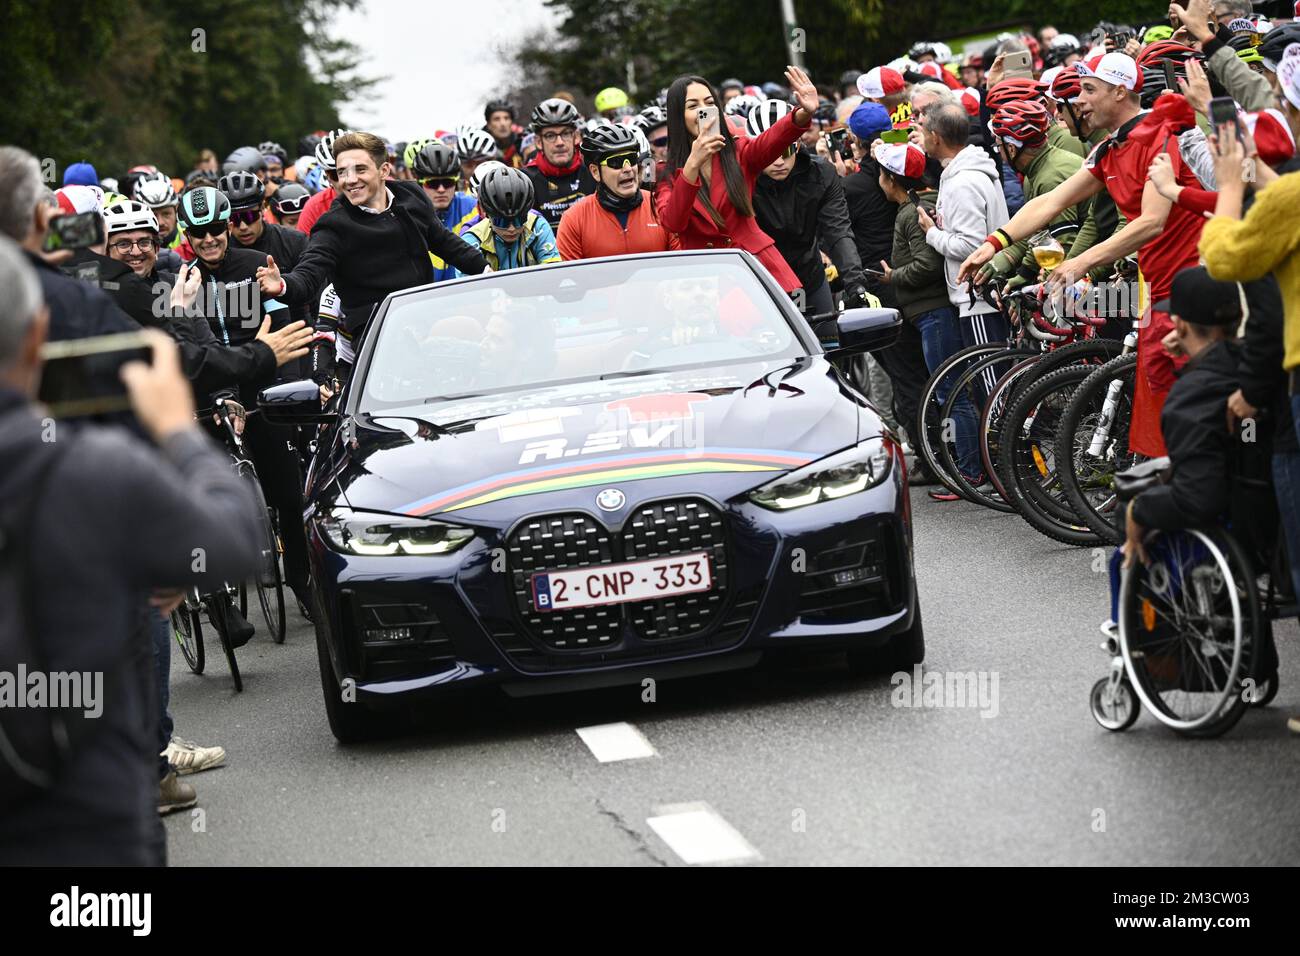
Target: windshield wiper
[(634, 372)]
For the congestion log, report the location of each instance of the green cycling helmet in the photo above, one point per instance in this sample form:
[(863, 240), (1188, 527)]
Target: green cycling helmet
[(203, 207)]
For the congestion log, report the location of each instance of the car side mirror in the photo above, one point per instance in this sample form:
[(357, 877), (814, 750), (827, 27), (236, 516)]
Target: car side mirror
[(294, 403), (860, 330)]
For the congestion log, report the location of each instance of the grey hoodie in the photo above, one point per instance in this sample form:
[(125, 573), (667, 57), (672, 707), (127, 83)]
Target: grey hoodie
[(971, 205)]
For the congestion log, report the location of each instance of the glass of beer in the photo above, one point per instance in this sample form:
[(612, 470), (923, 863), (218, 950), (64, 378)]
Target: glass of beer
[(1048, 253)]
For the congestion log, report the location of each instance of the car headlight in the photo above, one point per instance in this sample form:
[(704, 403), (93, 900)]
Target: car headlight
[(372, 533), (848, 472)]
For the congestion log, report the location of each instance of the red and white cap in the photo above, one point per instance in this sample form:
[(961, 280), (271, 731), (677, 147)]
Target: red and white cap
[(970, 100), (75, 199), (1115, 68), (902, 159), (1273, 139), (879, 82), (931, 69)]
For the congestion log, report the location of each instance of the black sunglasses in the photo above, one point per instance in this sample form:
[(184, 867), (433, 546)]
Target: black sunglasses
[(212, 229)]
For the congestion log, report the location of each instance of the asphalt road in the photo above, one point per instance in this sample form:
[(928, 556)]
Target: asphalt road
[(804, 763)]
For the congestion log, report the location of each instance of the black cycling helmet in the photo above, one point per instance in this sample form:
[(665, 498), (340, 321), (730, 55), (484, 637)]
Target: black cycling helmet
[(290, 198), (606, 139), (498, 106), (506, 192), (436, 160), (554, 112), (203, 207), (1275, 43), (246, 158), (731, 83), (307, 145), (243, 189)]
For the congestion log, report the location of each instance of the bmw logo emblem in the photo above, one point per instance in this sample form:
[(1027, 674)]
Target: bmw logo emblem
[(611, 499)]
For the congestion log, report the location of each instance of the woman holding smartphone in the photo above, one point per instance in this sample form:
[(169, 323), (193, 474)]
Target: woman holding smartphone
[(705, 190)]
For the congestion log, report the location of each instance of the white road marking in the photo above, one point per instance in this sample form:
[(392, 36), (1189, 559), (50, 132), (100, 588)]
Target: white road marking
[(611, 742), (698, 834)]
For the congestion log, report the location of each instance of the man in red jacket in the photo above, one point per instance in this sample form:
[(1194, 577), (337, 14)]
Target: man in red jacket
[(616, 219)]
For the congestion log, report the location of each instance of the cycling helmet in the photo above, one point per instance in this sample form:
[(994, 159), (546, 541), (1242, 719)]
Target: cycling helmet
[(651, 117), (610, 98), (127, 214), (204, 206), (1157, 32), (920, 49), (474, 144), (765, 115), (554, 112), (1250, 55), (325, 149), (1065, 85), (1014, 90), (289, 199), (730, 83), (247, 158), (1275, 43), (647, 160), (155, 191), (307, 145), (607, 139), (623, 114), (435, 160), (497, 106), (849, 78), (506, 192), (315, 179), (1022, 124), (270, 148), (476, 180), (1166, 50), (109, 184), (413, 147), (243, 189), (742, 104), (775, 91)]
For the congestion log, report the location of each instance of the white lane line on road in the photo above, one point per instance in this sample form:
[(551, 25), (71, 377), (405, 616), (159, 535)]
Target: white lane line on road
[(611, 742), (698, 834)]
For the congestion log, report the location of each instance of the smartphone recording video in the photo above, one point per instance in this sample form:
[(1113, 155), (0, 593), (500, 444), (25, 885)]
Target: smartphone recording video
[(81, 377), (708, 120)]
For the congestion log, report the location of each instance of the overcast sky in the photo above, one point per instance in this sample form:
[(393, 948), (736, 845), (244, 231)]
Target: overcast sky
[(440, 60)]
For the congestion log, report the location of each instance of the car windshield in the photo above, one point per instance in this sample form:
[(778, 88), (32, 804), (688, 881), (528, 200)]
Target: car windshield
[(606, 319)]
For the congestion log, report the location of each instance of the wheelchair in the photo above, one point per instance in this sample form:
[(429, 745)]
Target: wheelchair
[(1193, 636)]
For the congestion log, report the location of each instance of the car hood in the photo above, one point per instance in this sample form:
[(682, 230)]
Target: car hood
[(476, 457)]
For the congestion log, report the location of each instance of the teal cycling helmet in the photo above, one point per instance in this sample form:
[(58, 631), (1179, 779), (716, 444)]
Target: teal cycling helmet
[(202, 207)]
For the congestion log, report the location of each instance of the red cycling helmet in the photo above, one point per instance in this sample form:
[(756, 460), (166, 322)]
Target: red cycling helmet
[(1015, 90), (1066, 86), (1166, 50), (1022, 124)]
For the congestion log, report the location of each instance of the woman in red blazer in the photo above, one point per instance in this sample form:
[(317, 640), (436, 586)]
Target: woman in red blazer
[(722, 215)]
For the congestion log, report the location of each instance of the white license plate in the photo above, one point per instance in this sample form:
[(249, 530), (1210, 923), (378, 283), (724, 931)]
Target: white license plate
[(617, 583)]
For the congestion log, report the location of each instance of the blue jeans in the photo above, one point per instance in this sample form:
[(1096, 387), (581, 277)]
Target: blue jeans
[(162, 658), (940, 338)]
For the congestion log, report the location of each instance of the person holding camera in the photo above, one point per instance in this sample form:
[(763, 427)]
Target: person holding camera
[(705, 194), (799, 202)]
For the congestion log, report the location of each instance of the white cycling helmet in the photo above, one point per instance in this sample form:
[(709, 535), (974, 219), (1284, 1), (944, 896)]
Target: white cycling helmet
[(741, 105), (325, 148), (473, 143), (765, 115), (155, 191), (480, 173), (127, 214), (647, 160), (303, 165)]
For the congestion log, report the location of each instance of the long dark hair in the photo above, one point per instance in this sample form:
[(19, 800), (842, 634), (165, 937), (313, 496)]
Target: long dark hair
[(680, 141)]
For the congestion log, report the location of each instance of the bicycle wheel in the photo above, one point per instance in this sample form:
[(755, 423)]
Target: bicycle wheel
[(991, 418), (216, 604), (1189, 630), (267, 579), (1095, 352), (188, 632), (1027, 463), (932, 400), (971, 391), (1092, 446)]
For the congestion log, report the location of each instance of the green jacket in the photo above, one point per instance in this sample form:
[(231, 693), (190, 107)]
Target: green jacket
[(1046, 171), (918, 277), (1060, 137)]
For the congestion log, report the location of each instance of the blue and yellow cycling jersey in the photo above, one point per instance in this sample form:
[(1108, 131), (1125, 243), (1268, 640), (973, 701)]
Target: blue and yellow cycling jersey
[(535, 245), (462, 211)]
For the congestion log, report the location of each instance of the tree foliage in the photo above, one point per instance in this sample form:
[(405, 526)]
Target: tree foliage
[(151, 81)]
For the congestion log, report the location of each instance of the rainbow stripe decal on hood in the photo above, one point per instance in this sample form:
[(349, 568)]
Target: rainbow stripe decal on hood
[(633, 467)]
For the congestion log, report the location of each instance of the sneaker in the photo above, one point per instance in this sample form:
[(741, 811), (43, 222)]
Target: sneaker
[(188, 757), (919, 475), (175, 794), (1293, 725), (943, 494)]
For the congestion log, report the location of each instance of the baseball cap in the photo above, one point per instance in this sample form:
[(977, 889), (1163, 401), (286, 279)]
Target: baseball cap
[(970, 100), (1117, 69), (1195, 297), (80, 174), (880, 81), (902, 159), (1272, 136), (79, 198), (868, 120)]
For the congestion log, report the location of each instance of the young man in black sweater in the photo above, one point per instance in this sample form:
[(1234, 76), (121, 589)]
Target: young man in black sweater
[(374, 240)]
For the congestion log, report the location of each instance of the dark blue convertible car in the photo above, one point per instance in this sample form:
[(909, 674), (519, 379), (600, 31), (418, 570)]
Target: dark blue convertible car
[(597, 472)]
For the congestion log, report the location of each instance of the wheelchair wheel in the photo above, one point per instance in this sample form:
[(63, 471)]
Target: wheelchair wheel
[(189, 635), (1116, 709), (1189, 628)]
